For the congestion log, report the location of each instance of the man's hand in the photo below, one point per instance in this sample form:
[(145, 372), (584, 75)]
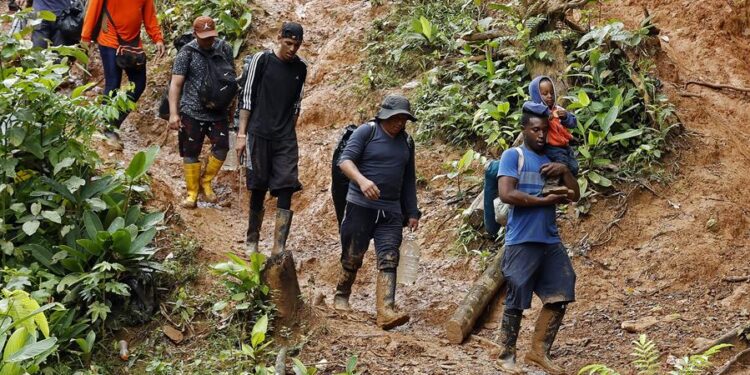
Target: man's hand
[(175, 122), (369, 189), (553, 169), (21, 4), (556, 199), (239, 146), (413, 224), (85, 45), (160, 49)]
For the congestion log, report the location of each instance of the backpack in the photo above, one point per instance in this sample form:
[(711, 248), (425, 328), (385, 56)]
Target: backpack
[(70, 22), (339, 181), (495, 211), (219, 88)]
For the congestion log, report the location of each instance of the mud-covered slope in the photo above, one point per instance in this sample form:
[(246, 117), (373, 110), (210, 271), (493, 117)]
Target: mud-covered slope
[(661, 259)]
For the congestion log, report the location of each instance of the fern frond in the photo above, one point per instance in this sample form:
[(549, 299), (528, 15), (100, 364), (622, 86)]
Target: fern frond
[(597, 370), (646, 356), (546, 36), (534, 22)]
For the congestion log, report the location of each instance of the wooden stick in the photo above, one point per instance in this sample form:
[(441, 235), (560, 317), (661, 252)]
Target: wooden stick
[(741, 355), (717, 86), (736, 279)]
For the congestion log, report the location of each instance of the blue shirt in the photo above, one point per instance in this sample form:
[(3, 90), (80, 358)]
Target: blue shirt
[(387, 162), (528, 224)]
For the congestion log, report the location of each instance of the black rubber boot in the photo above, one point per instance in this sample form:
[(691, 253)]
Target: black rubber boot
[(545, 331), (254, 222), (281, 232), (344, 290), (508, 337)]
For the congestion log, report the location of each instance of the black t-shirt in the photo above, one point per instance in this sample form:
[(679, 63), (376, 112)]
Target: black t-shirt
[(277, 100)]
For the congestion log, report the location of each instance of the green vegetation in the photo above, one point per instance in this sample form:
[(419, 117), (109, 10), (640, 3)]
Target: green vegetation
[(233, 18), (70, 230), (472, 86), (646, 361)]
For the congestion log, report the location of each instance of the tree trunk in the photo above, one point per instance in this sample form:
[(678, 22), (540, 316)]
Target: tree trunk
[(281, 277), (476, 300)]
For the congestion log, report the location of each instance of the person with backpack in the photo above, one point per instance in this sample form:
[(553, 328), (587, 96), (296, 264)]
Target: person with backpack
[(49, 33), (269, 106), (202, 88), (535, 260), (115, 25), (382, 199)]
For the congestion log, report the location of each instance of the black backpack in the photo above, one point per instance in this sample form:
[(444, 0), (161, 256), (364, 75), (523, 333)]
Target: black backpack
[(70, 22), (339, 181), (220, 87)]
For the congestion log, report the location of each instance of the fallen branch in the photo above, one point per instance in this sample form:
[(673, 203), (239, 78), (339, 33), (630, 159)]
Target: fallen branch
[(281, 361), (468, 311), (717, 86), (736, 279), (743, 355), (733, 336), (485, 35)]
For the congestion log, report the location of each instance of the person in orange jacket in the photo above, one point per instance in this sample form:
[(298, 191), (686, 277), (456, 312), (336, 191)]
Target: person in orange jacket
[(121, 24)]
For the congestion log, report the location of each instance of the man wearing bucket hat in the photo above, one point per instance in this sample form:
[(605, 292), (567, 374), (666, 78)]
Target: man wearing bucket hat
[(192, 109), (269, 106), (382, 198)]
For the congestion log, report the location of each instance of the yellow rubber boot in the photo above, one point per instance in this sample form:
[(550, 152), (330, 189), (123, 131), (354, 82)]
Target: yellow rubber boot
[(212, 169), (192, 178)]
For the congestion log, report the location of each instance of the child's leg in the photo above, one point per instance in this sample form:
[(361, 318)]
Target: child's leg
[(558, 155)]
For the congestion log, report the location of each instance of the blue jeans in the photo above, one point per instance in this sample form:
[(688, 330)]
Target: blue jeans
[(113, 79), (563, 155)]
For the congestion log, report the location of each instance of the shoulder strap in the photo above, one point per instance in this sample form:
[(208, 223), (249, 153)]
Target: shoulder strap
[(109, 17), (520, 160), (373, 128)]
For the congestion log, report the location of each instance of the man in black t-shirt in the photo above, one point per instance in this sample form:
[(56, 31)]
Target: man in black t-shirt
[(269, 104)]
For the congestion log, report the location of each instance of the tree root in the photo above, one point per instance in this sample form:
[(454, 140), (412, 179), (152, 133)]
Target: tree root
[(717, 86), (743, 355), (736, 279)]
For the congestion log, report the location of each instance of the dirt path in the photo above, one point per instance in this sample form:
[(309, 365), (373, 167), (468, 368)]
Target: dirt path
[(661, 261)]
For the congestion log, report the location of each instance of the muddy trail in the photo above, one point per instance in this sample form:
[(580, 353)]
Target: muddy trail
[(657, 253)]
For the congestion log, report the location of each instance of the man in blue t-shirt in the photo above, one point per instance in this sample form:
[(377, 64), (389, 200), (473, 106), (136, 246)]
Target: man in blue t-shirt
[(535, 261), (47, 33)]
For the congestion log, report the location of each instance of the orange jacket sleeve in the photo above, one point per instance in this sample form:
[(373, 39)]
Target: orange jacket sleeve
[(151, 23), (93, 15)]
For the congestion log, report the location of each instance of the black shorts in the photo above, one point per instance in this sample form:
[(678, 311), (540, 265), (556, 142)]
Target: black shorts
[(192, 133), (537, 268), (272, 165)]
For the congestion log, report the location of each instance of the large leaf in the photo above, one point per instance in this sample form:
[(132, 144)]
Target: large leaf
[(609, 119), (625, 135), (121, 241), (60, 189), (141, 162), (44, 256), (92, 223), (33, 350), (100, 186), (30, 227), (142, 240), (15, 343)]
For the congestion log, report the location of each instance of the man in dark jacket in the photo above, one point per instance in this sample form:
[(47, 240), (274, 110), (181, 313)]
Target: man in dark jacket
[(380, 164), (46, 33), (269, 104)]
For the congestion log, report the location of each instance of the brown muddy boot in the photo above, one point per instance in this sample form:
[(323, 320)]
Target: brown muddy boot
[(547, 325), (254, 223), (280, 234), (508, 337), (385, 295), (344, 290)]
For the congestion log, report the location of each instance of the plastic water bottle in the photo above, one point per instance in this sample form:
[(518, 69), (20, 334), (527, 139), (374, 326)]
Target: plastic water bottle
[(408, 264), (230, 164)]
